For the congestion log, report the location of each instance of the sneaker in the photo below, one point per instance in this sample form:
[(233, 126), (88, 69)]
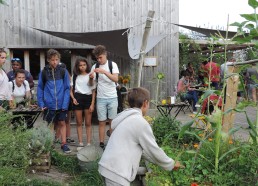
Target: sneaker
[(108, 133), (194, 112), (80, 145), (88, 144), (70, 140), (65, 148), (102, 145)]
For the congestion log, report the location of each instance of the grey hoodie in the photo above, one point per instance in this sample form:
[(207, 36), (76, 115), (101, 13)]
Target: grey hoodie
[(131, 137)]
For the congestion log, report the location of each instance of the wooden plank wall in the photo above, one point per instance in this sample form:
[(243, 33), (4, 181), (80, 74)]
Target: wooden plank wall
[(95, 15)]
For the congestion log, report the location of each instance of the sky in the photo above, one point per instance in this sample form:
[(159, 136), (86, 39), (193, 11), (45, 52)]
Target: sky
[(212, 14)]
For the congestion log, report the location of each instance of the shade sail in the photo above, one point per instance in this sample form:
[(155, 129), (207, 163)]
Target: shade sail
[(116, 41), (122, 42), (208, 32)]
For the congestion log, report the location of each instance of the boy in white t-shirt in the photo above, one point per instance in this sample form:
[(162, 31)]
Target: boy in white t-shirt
[(107, 102)]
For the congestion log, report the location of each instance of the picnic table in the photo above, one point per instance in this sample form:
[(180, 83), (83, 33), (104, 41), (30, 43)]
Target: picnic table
[(165, 109)]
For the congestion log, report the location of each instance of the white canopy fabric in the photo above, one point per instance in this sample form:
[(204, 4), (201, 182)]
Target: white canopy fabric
[(134, 44)]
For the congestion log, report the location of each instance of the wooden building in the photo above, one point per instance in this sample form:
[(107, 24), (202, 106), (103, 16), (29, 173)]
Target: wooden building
[(19, 17)]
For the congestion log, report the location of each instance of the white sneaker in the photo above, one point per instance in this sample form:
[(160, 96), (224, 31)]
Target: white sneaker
[(197, 105), (80, 145), (194, 112)]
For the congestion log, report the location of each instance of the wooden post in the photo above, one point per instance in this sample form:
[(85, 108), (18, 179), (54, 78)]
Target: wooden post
[(143, 47), (27, 60), (231, 95), (231, 98), (42, 59)]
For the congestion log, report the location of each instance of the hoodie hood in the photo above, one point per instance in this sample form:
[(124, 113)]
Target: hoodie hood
[(125, 114)]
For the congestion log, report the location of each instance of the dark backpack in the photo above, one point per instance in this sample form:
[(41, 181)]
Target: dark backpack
[(74, 80), (119, 95), (44, 73)]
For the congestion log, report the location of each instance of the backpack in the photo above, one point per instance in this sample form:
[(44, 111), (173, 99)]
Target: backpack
[(119, 95), (44, 73), (74, 80)]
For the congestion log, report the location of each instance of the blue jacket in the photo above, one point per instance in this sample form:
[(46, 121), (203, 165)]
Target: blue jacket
[(54, 92)]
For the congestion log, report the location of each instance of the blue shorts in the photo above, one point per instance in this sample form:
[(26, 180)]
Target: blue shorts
[(52, 116), (106, 108)]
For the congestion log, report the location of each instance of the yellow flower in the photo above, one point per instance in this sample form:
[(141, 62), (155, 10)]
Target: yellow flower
[(196, 145), (124, 79), (201, 134), (210, 139), (230, 142)]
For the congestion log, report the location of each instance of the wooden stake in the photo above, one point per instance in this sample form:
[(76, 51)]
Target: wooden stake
[(143, 47)]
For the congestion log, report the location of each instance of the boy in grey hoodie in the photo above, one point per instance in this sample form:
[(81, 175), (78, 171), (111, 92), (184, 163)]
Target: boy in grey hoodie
[(132, 137)]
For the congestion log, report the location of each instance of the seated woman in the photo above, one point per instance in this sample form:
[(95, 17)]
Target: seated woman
[(185, 91), (20, 89)]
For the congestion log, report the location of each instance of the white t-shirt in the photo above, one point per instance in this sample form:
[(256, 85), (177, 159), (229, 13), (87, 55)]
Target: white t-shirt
[(81, 84), (19, 92), (5, 94), (106, 88)]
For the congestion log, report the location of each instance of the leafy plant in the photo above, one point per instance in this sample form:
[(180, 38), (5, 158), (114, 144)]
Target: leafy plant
[(15, 152), (163, 127), (41, 140)]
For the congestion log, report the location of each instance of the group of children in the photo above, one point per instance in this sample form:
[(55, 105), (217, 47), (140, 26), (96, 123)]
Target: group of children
[(132, 135)]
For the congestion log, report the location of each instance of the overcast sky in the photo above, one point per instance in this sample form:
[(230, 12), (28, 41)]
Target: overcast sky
[(212, 13)]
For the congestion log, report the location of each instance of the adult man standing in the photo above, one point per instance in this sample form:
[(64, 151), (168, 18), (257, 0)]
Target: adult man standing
[(106, 89)]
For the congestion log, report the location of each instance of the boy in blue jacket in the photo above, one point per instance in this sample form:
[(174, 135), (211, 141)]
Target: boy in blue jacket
[(53, 94)]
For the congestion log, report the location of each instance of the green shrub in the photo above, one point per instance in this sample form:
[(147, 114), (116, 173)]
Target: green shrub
[(15, 153), (165, 126), (12, 176)]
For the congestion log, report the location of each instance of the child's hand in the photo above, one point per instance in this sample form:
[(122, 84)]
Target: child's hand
[(91, 75), (178, 165), (75, 101)]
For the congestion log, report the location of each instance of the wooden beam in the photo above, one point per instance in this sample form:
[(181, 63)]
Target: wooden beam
[(244, 62), (143, 46), (27, 60), (42, 59)]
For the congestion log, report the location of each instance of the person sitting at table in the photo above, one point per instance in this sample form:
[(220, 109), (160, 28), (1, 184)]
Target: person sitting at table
[(185, 91), (191, 71), (20, 89)]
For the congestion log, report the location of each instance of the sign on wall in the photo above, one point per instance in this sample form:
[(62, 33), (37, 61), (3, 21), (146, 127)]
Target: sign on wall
[(150, 61)]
